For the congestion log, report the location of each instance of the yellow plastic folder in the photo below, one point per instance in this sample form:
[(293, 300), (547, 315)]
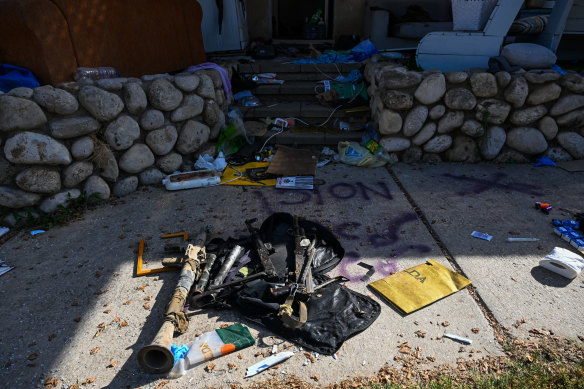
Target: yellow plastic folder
[(419, 286), (232, 172)]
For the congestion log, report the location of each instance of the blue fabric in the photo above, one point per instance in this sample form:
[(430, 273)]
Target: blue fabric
[(327, 58), (178, 352), (354, 76), (545, 161), (363, 50), (12, 76)]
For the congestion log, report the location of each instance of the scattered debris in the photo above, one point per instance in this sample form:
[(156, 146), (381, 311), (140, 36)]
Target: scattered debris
[(475, 330), (445, 324), (88, 381), (420, 334), (209, 368), (315, 377), (266, 363), (94, 350), (112, 364), (481, 235)]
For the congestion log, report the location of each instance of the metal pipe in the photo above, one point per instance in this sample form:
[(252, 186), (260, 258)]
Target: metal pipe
[(204, 279), (156, 357)]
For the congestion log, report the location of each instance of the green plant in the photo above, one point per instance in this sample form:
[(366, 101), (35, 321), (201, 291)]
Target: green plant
[(73, 209)]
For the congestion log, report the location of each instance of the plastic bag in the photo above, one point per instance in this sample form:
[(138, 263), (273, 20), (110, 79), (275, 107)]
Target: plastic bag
[(12, 76), (352, 153), (207, 162), (363, 50), (234, 136)]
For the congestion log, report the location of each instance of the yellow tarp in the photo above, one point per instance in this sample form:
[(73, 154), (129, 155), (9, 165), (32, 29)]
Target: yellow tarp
[(230, 173), (419, 286)]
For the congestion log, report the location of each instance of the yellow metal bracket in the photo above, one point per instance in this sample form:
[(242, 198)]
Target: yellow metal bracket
[(140, 272)]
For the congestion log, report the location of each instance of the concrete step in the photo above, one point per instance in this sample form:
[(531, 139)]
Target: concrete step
[(288, 88), (299, 109), (327, 138), (280, 67)]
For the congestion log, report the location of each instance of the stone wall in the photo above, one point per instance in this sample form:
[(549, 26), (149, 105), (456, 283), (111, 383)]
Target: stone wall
[(107, 136), (473, 116)]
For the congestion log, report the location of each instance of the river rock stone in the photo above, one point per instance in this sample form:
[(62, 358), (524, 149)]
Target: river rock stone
[(102, 105), (425, 134), (573, 82), (431, 89), (483, 85), (220, 97), (548, 127), (527, 140), (412, 155), (76, 173), (529, 55), (187, 82), (152, 119), (153, 77), (192, 135), (15, 198), (517, 91), (510, 156), (205, 88), (136, 159), (135, 98), (542, 76), (20, 114), (106, 163), (527, 116), (572, 119), (52, 203), (96, 184), (456, 77), (7, 171), (392, 143), (503, 79), (162, 141), (69, 86), (170, 163), (573, 143), (111, 84), (415, 119), (191, 106), (451, 121), (390, 122), (21, 91), (558, 154), (397, 100), (125, 186), (566, 104), (55, 100), (211, 113), (437, 112), (472, 128), (463, 149), (73, 127), (163, 95), (151, 176), (218, 127), (30, 148), (82, 148), (398, 78), (492, 111), (460, 98), (438, 144), (214, 75), (544, 94), (122, 132), (39, 180), (491, 144)]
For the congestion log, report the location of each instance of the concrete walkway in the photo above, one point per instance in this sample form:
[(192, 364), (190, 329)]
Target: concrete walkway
[(73, 289)]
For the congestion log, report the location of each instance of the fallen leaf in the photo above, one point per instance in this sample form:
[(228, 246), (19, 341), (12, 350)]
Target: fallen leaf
[(106, 304), (107, 311), (231, 366), (146, 306), (210, 367), (127, 302), (431, 358), (475, 330), (116, 320), (224, 325), (420, 334), (142, 287), (310, 356), (445, 324), (32, 356), (124, 323), (73, 386), (52, 336), (77, 319), (94, 350), (116, 274), (405, 348), (461, 367), (88, 381), (529, 357), (315, 377), (161, 384), (239, 356), (148, 298), (112, 364), (51, 382)]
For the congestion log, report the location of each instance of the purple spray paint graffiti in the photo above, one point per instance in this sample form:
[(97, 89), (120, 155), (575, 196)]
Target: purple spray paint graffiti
[(482, 185)]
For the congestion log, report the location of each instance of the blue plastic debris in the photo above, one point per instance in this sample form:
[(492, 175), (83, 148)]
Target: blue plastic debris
[(545, 161)]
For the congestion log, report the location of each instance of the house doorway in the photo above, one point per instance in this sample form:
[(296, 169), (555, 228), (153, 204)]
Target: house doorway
[(299, 20)]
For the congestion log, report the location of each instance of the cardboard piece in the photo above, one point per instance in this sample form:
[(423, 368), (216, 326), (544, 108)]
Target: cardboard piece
[(293, 162)]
